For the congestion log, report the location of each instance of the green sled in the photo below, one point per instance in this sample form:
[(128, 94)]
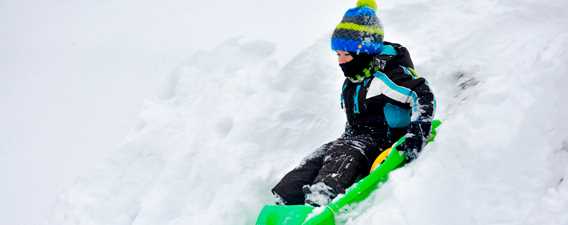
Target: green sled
[(306, 215)]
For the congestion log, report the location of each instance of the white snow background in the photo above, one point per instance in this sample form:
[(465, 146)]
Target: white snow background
[(255, 88), (74, 76)]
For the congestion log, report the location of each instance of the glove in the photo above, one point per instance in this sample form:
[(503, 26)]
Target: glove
[(413, 143), (410, 147)]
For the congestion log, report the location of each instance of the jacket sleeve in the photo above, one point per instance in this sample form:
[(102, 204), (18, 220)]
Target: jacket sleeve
[(421, 121), (401, 71)]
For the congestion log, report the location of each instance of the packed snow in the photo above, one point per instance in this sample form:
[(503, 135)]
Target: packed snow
[(231, 120)]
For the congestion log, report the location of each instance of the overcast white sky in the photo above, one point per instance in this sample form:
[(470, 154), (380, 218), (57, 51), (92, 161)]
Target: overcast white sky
[(74, 75)]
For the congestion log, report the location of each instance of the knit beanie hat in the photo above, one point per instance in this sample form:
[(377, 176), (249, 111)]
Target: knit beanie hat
[(360, 31)]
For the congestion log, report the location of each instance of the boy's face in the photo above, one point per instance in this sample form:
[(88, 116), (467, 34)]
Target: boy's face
[(344, 57)]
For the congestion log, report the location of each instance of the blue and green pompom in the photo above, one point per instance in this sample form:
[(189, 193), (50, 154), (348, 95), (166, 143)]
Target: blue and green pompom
[(368, 3)]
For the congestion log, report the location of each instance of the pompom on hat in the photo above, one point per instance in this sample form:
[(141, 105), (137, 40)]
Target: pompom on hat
[(360, 30)]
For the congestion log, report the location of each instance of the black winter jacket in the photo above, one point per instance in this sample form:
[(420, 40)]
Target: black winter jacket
[(392, 102)]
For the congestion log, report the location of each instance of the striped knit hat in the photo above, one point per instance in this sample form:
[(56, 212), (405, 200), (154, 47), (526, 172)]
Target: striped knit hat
[(360, 31)]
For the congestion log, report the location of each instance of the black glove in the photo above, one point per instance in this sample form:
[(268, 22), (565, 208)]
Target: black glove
[(410, 147), (414, 141)]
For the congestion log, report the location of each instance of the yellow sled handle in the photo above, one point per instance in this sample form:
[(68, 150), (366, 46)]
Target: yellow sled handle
[(380, 158)]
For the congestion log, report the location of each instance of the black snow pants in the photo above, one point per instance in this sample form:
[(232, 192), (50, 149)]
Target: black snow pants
[(337, 164)]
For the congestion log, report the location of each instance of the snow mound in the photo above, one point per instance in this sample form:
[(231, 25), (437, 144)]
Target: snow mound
[(210, 148)]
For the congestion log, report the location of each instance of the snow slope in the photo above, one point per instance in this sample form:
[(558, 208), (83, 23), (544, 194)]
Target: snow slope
[(231, 121), (502, 153)]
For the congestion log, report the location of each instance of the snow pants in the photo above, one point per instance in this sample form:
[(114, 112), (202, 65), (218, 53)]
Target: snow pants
[(336, 164)]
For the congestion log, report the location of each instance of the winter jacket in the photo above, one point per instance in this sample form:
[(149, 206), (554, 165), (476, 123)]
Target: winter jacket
[(394, 101)]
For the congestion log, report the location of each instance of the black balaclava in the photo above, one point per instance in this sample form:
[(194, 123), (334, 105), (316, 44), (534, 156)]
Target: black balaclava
[(354, 70)]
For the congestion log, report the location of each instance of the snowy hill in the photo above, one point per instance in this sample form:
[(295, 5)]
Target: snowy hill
[(231, 121)]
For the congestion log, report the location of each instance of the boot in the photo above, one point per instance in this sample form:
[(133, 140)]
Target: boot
[(318, 194)]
